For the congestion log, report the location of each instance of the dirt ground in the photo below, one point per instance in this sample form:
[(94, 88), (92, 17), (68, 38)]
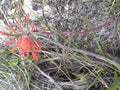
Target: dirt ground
[(86, 59)]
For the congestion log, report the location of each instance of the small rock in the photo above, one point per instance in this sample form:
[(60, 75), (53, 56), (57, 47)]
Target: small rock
[(5, 2), (34, 12)]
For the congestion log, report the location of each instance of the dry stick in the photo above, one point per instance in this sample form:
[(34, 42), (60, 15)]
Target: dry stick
[(77, 84), (48, 77), (4, 15), (101, 58), (62, 83), (48, 59), (104, 59)]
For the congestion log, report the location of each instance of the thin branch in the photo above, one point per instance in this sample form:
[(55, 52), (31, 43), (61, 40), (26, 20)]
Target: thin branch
[(4, 15), (48, 77), (101, 58)]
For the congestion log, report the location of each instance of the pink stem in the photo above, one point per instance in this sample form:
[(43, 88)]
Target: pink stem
[(86, 31)]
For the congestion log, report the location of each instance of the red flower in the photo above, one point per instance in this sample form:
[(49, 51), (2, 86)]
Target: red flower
[(27, 45)]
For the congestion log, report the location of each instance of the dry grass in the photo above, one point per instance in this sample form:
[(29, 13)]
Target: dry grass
[(89, 61)]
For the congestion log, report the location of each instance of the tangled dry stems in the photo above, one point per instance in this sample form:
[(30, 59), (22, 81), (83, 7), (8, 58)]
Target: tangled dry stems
[(70, 63)]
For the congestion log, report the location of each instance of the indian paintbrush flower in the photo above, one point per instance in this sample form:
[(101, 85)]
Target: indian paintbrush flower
[(25, 43)]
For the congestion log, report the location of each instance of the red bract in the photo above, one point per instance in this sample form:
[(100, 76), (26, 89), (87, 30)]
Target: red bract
[(19, 21), (27, 18), (34, 55), (4, 33), (12, 29), (26, 45), (33, 26), (10, 41)]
